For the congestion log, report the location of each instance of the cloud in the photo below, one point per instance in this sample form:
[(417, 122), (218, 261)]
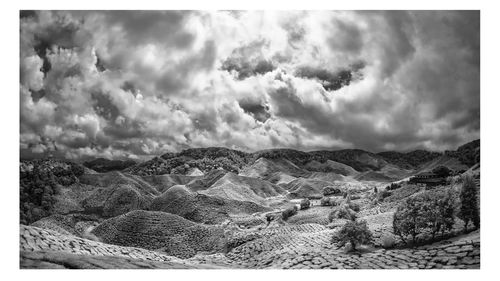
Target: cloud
[(248, 61), (139, 83), (332, 81)]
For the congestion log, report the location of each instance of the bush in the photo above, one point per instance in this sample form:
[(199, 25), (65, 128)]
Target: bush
[(305, 204), (289, 212), (328, 201), (325, 201), (388, 241), (442, 171), (383, 194), (342, 212), (393, 186), (353, 206), (354, 197), (469, 209), (354, 232), (431, 211), (330, 190), (346, 194)]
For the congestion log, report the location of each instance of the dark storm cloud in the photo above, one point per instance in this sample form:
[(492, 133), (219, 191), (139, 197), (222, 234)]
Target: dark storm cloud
[(257, 110), (331, 81), (248, 61), (104, 106)]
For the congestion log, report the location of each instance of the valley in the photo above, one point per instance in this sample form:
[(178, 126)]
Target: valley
[(222, 208)]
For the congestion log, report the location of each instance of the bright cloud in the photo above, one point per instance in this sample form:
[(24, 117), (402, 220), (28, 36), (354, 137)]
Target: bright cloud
[(138, 83)]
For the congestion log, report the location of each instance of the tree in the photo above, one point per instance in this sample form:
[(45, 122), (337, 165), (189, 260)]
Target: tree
[(431, 211), (289, 212), (469, 209), (442, 171), (355, 232), (342, 212), (305, 204), (406, 220), (325, 201), (330, 190)]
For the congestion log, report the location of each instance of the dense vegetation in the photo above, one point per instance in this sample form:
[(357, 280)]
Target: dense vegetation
[(346, 210), (469, 209), (39, 183), (409, 160), (442, 171), (353, 232), (288, 212), (469, 153), (305, 204), (102, 165), (428, 212)]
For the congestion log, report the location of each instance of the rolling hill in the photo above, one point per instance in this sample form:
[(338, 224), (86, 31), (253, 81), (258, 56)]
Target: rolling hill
[(202, 208), (160, 231), (240, 188)]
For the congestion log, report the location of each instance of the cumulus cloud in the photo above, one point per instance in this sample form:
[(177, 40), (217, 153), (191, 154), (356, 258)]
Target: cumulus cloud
[(133, 84)]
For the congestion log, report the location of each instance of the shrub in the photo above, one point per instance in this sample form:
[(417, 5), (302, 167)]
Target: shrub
[(289, 212), (442, 171), (342, 212), (469, 209), (388, 241), (305, 204), (346, 194), (431, 211), (325, 201), (334, 202), (330, 190), (393, 186), (354, 197), (353, 206), (383, 194), (354, 232)]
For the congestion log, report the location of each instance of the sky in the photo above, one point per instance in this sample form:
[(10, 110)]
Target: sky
[(134, 84)]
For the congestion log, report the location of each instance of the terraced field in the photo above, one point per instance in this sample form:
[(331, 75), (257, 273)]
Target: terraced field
[(304, 246)]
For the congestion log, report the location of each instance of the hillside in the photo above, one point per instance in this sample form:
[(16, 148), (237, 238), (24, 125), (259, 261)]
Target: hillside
[(103, 165), (409, 160), (264, 168), (451, 163), (200, 207), (330, 166), (306, 188), (468, 154), (223, 218), (240, 188), (160, 231)]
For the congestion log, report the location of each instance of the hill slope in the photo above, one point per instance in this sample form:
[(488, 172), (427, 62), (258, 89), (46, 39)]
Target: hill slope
[(160, 231), (242, 188), (200, 207)]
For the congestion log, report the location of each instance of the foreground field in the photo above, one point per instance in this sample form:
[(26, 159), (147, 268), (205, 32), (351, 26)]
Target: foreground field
[(296, 247)]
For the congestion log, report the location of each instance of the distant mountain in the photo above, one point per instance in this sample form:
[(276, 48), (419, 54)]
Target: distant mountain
[(468, 154), (103, 165), (274, 163), (358, 159), (409, 160)]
